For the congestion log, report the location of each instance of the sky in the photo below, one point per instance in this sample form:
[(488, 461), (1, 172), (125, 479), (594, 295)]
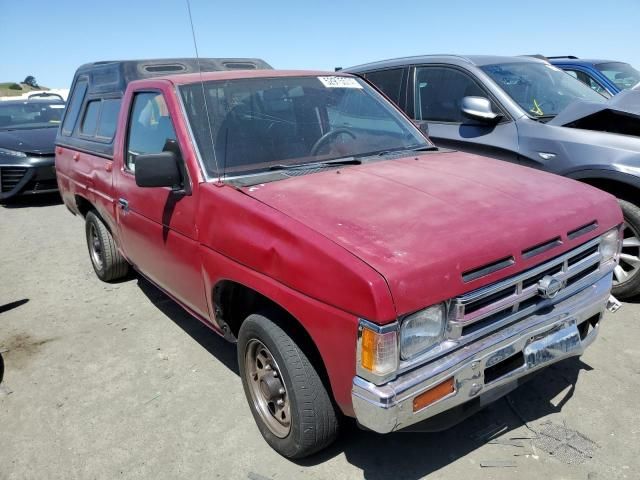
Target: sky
[(50, 39)]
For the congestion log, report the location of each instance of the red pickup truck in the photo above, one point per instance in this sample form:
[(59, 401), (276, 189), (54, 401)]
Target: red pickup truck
[(362, 271)]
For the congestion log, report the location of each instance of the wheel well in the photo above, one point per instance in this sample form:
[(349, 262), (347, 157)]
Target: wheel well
[(234, 302), (618, 189), (83, 205)]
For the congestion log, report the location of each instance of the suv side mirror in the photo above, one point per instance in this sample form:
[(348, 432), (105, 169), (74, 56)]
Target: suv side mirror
[(479, 108), (158, 170)]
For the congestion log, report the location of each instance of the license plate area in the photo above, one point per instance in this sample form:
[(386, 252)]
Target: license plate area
[(556, 344), (545, 348)]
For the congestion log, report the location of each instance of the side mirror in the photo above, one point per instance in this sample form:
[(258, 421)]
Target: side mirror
[(479, 108), (423, 126), (158, 170)]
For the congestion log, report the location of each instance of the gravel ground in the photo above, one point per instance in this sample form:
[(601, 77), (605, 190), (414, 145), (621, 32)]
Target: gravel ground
[(111, 381)]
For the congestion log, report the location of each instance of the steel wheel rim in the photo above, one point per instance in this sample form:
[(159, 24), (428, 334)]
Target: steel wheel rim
[(268, 391), (629, 258), (95, 247)]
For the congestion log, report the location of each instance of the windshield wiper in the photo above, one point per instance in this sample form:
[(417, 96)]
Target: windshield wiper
[(421, 148), (328, 163)]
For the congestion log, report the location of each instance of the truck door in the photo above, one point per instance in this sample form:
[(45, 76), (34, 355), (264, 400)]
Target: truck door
[(438, 92), (157, 225)]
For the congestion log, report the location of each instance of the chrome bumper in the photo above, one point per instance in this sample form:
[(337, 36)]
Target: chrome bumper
[(543, 339)]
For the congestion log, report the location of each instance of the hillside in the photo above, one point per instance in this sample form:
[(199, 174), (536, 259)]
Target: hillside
[(6, 91)]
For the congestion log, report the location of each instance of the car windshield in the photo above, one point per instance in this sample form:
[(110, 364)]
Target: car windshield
[(23, 115), (622, 74), (258, 124), (541, 89)]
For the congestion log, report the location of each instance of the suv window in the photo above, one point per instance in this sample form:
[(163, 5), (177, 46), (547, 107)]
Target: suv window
[(73, 109), (389, 81), (588, 79), (150, 128), (439, 93)]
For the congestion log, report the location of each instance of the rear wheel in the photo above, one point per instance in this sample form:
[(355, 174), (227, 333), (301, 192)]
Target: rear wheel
[(626, 276), (107, 261), (285, 393)]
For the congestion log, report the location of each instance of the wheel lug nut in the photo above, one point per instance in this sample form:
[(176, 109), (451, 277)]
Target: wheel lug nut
[(275, 374), (280, 402), (281, 391)]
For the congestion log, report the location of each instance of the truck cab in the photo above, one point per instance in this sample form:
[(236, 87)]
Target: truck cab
[(362, 271)]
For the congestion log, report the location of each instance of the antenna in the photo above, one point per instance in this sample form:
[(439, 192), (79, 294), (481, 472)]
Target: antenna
[(204, 95)]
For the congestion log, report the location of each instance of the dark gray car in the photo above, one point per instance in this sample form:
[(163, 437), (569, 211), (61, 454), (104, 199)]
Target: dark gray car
[(527, 111)]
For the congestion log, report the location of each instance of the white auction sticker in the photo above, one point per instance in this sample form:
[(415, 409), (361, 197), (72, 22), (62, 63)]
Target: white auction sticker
[(339, 82)]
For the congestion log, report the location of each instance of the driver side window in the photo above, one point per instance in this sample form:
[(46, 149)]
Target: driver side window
[(439, 92), (150, 128)]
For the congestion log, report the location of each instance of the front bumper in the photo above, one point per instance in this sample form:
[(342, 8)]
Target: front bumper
[(27, 176), (484, 368)]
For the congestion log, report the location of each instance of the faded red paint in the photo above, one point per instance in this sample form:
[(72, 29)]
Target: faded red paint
[(373, 241)]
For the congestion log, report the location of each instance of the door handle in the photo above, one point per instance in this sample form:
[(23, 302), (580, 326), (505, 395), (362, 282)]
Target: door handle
[(124, 205)]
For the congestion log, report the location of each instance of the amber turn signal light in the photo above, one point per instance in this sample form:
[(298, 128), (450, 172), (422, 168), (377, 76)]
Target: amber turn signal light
[(379, 353), (433, 394)]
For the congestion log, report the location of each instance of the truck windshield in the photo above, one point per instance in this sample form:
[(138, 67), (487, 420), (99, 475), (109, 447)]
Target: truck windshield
[(23, 115), (541, 89), (622, 74), (261, 123)]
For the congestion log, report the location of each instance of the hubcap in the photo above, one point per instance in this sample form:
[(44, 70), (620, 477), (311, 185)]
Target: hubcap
[(95, 247), (267, 389), (629, 258)]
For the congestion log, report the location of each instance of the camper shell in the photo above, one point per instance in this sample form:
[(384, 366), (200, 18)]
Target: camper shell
[(93, 106)]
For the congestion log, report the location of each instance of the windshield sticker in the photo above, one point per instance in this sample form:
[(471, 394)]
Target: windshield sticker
[(56, 106), (339, 82)]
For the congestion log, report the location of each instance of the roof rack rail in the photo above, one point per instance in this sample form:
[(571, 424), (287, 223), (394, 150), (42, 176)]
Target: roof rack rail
[(571, 57)]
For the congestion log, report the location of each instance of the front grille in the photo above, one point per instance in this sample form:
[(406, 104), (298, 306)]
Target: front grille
[(10, 177), (498, 305)]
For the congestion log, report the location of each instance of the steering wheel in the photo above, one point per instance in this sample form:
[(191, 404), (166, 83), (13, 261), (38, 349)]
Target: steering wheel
[(329, 136)]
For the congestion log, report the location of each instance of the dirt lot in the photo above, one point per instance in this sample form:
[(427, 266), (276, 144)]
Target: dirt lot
[(116, 381)]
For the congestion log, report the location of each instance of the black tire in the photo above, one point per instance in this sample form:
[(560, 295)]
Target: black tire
[(313, 420), (106, 259), (631, 286)]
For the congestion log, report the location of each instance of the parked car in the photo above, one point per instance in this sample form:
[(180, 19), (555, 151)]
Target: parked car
[(527, 111), (607, 77), (360, 269), (27, 134)]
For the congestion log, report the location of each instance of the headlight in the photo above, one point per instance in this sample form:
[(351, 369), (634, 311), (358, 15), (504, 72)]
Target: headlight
[(611, 245), (12, 153), (422, 330)]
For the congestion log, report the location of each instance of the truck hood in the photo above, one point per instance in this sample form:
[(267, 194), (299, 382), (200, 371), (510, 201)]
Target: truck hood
[(620, 114), (425, 222), (39, 141)]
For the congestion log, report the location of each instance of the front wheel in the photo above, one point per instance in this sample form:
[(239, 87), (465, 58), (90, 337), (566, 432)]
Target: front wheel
[(285, 393), (626, 276)]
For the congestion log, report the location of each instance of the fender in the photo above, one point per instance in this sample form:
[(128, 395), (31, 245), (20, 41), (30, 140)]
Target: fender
[(606, 174), (333, 331)]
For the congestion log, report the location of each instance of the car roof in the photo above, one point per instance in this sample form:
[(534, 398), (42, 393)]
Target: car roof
[(476, 60), (187, 78)]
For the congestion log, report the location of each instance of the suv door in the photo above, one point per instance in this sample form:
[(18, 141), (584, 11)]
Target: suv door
[(438, 92), (157, 225)]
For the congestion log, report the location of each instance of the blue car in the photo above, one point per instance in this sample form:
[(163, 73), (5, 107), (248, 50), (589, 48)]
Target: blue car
[(606, 77)]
